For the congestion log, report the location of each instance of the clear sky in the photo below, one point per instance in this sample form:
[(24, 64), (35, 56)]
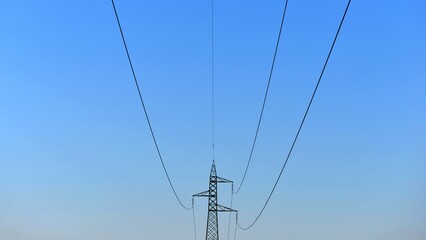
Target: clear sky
[(77, 161)]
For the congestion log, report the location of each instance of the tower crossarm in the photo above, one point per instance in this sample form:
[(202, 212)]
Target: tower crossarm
[(222, 180), (221, 208), (202, 194)]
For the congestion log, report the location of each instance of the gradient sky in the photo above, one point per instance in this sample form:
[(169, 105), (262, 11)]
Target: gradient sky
[(77, 161)]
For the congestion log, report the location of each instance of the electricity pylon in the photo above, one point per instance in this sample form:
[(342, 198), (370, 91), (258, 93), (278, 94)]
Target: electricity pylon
[(212, 229)]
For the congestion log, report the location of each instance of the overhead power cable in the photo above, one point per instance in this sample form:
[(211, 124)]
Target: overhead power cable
[(301, 123), (145, 111), (264, 98), (236, 224), (230, 213), (212, 77), (193, 219)]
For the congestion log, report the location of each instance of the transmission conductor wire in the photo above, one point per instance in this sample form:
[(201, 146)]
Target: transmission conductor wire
[(302, 122), (144, 109), (193, 219), (265, 97), (212, 77), (236, 224), (230, 213)]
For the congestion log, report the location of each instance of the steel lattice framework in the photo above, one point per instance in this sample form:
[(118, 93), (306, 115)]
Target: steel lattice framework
[(212, 229)]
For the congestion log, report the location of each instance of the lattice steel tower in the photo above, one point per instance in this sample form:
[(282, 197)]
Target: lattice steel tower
[(212, 229)]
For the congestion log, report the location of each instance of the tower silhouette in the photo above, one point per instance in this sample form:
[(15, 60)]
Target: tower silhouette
[(212, 229)]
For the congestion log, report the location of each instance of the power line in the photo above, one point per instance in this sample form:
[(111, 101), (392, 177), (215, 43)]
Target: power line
[(212, 78), (193, 219), (264, 99), (144, 109), (302, 122), (236, 224), (230, 213)]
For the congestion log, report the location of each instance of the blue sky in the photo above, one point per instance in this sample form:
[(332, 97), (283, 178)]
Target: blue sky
[(77, 160)]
